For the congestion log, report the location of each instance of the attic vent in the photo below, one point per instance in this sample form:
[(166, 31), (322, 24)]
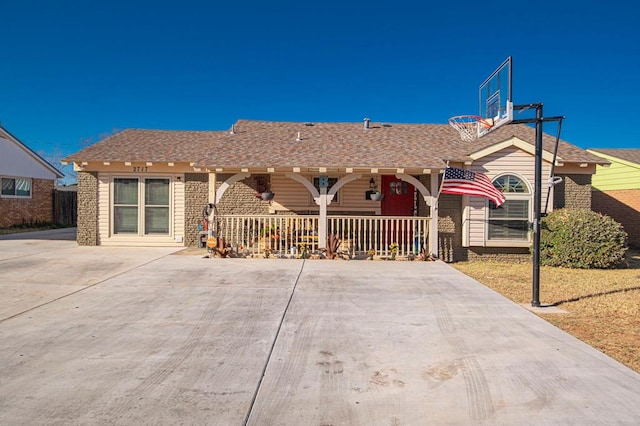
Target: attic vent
[(308, 124)]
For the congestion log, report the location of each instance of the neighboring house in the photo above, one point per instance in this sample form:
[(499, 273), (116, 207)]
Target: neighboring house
[(616, 189), (149, 187), (27, 183)]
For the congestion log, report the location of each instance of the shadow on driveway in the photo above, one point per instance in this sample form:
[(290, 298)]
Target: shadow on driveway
[(68, 234)]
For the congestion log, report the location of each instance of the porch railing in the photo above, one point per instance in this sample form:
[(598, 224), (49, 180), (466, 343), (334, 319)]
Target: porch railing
[(289, 235)]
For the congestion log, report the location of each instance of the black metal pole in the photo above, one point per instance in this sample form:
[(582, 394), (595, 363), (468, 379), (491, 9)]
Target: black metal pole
[(537, 200), (553, 167), (537, 207)]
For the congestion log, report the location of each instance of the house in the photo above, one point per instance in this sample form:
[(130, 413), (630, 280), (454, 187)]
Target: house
[(616, 189), (151, 187), (27, 183)]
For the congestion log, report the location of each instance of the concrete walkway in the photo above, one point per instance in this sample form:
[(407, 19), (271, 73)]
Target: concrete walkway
[(104, 335)]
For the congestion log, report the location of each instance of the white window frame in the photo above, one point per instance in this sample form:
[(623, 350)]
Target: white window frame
[(15, 186), (527, 196), (141, 207)]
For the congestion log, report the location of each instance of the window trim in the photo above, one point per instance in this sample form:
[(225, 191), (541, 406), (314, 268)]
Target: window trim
[(148, 205), (528, 196), (14, 195), (141, 205)]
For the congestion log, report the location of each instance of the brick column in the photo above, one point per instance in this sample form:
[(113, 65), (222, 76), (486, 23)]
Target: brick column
[(87, 233), (196, 196)]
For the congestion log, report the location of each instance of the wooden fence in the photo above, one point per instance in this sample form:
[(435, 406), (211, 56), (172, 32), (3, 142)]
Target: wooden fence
[(65, 206)]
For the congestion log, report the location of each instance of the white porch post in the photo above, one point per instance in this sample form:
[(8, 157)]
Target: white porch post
[(322, 224), (435, 197)]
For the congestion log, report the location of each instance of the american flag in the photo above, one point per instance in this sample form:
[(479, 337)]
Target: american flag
[(465, 182)]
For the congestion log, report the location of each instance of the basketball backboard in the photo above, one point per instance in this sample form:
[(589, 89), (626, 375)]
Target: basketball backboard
[(496, 104)]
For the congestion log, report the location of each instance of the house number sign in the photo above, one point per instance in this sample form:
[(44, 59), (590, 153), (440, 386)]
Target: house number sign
[(323, 181), (140, 169)]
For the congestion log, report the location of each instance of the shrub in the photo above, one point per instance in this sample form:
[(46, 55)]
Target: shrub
[(581, 238)]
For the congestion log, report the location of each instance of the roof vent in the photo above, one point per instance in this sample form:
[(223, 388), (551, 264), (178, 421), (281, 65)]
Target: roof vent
[(299, 138), (308, 124), (233, 129), (386, 125), (366, 123)]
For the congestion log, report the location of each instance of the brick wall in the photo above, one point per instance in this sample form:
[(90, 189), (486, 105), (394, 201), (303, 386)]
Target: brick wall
[(449, 223), (623, 205), (87, 233), (574, 192), (450, 228), (240, 198), (503, 254), (423, 209), (196, 188), (37, 209)]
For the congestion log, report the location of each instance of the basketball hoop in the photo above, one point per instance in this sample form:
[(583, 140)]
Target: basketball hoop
[(469, 125)]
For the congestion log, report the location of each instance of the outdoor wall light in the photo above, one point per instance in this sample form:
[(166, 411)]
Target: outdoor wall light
[(372, 183)]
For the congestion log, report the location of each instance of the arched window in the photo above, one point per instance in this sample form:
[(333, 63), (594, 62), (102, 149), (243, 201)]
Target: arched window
[(511, 220)]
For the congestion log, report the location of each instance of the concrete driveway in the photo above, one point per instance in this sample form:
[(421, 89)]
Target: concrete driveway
[(119, 336)]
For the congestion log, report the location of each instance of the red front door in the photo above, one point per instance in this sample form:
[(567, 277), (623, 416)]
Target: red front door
[(398, 197), (397, 201)]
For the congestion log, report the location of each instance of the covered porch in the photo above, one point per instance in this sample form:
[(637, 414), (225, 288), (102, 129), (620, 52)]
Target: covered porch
[(286, 236), (287, 231)]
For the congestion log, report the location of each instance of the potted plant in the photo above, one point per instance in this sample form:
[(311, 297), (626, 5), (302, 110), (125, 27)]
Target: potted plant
[(267, 195), (263, 191), (375, 195), (370, 253), (393, 248)]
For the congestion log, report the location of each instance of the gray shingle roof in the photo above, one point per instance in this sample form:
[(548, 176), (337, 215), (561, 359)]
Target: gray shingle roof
[(261, 144), (628, 154), (148, 145)]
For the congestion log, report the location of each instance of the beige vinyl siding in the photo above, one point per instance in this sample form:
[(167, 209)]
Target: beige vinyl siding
[(104, 212), (507, 161), (178, 206), (292, 195), (475, 220), (352, 195)]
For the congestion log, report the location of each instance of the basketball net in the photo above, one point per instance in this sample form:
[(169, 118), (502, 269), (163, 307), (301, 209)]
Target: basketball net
[(469, 125)]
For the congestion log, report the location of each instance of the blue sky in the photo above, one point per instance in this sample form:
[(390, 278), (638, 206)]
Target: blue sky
[(75, 71)]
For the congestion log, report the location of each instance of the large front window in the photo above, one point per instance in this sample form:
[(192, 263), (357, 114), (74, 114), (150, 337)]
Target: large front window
[(141, 204), (510, 221)]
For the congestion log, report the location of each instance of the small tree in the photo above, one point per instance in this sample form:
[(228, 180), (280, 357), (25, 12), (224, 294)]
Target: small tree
[(581, 238)]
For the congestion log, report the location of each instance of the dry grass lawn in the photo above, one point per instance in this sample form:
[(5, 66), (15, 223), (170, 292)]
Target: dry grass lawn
[(603, 306)]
